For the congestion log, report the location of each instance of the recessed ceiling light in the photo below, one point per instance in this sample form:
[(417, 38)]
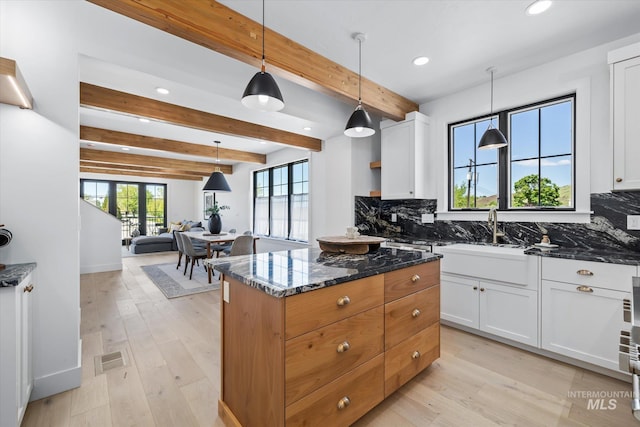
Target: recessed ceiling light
[(162, 91), (538, 6), (307, 128), (125, 148), (420, 60), (143, 120)]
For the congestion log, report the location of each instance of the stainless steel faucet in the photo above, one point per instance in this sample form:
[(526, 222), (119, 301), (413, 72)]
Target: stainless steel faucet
[(493, 222)]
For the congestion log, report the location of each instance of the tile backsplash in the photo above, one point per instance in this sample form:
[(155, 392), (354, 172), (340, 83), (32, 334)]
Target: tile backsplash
[(606, 231)]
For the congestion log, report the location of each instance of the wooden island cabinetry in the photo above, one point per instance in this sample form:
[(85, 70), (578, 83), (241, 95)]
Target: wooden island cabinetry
[(326, 356)]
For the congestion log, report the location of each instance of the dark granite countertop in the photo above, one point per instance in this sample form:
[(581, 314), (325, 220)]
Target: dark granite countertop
[(627, 258), (286, 273), (13, 274)]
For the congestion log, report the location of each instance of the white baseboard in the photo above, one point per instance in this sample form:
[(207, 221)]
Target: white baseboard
[(99, 268), (56, 383)]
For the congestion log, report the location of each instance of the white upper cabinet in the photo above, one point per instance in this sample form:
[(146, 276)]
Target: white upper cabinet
[(404, 158), (624, 66)]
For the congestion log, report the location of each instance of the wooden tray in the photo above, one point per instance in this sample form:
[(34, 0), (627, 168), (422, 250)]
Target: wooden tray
[(344, 245)]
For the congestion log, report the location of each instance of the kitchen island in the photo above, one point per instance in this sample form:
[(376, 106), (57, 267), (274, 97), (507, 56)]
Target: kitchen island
[(311, 338)]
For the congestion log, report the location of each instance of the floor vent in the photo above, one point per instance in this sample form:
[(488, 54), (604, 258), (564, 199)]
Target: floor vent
[(108, 361)]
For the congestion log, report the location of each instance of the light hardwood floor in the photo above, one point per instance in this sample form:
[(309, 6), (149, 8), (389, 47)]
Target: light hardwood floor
[(172, 378)]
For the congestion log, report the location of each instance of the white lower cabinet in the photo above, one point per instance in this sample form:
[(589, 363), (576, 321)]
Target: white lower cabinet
[(583, 324), (15, 355), (503, 310)]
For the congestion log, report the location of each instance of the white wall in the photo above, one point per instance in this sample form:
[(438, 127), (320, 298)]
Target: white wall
[(39, 181), (100, 240), (586, 73)]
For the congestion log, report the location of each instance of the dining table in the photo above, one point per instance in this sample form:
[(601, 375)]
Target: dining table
[(210, 238)]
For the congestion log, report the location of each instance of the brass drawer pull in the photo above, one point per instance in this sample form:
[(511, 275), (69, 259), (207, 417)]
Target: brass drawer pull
[(415, 278), (344, 402), (343, 346), (585, 289), (415, 313), (481, 289), (475, 288), (585, 272), (28, 288), (415, 355), (618, 179), (342, 301)]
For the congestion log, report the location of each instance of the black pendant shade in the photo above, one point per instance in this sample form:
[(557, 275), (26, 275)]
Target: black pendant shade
[(217, 182), (359, 124), (492, 138), (262, 93)]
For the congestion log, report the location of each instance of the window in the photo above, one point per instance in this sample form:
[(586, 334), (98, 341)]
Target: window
[(138, 205), (536, 169), (281, 201)]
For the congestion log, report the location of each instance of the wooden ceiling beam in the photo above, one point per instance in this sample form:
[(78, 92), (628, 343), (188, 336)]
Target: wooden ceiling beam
[(102, 165), (152, 161), (219, 28), (140, 141), (109, 99), (138, 173)]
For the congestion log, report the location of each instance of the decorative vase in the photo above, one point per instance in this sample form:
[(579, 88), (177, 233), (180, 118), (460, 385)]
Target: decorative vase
[(215, 224)]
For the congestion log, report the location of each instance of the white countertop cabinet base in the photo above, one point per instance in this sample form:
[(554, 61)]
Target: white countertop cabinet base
[(16, 376)]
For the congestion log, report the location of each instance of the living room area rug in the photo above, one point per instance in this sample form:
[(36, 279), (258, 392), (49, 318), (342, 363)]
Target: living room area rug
[(174, 284)]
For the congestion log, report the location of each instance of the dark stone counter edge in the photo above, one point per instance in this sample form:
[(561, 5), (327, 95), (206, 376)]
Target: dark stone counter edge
[(13, 274), (611, 257), (282, 293)]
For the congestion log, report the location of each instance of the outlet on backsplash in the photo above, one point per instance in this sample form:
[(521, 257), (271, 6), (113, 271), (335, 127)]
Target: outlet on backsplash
[(633, 222), (394, 217)]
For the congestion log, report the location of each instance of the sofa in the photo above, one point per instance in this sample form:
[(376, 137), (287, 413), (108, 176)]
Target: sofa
[(165, 240)]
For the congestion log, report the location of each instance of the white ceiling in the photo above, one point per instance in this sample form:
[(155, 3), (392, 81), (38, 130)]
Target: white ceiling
[(461, 37)]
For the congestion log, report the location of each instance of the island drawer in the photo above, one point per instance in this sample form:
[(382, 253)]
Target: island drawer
[(400, 283), (320, 356), (315, 309), (589, 273), (410, 357), (409, 315), (344, 400)]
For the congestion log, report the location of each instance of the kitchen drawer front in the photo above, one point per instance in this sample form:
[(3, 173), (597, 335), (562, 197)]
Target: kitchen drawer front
[(400, 283), (315, 309), (363, 387), (407, 316), (589, 273), (407, 359), (318, 357)]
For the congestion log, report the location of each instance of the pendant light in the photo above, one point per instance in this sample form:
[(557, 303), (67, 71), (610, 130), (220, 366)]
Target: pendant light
[(492, 137), (262, 92), (359, 124), (217, 181)]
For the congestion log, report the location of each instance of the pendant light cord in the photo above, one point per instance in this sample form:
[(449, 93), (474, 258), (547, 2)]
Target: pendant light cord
[(491, 95), (359, 71), (263, 57)]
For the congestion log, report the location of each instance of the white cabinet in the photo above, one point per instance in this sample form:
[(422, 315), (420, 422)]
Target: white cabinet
[(506, 311), (404, 158), (624, 66), (15, 357), (582, 308)]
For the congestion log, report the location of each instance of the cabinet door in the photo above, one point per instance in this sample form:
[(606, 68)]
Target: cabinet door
[(582, 325), (509, 312), (459, 300), (626, 126), (398, 162)]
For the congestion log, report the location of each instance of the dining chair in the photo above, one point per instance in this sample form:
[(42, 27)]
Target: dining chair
[(242, 245), (221, 247), (191, 254), (180, 248)]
